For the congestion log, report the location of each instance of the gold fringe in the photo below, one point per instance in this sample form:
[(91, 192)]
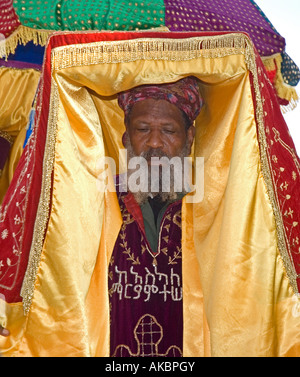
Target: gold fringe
[(284, 91), (269, 62), (148, 49), (23, 35), (290, 107)]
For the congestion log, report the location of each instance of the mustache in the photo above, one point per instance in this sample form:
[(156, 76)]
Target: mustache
[(147, 155)]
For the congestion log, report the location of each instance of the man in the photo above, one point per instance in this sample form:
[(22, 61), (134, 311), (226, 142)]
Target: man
[(145, 269), (242, 306)]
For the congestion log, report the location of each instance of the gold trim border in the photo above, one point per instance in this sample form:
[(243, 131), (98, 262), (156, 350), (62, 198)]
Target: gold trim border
[(146, 49), (5, 135), (149, 49), (23, 35), (267, 174), (42, 216)]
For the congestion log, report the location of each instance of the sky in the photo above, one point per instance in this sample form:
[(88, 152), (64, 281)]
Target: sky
[(285, 16)]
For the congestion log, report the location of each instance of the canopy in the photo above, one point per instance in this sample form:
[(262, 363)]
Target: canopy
[(25, 21), (240, 243)]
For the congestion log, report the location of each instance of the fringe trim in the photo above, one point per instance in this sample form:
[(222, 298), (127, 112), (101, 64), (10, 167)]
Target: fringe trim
[(23, 35), (284, 91), (148, 49), (269, 62)]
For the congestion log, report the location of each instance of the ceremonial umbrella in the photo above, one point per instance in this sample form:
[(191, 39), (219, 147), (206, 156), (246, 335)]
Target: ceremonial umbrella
[(29, 22)]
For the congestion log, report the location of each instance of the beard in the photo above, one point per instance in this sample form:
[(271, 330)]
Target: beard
[(155, 175)]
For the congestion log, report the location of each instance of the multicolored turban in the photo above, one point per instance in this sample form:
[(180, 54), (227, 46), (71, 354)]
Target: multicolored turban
[(184, 94)]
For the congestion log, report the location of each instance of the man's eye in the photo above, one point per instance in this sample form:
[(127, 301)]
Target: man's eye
[(169, 132), (142, 129)]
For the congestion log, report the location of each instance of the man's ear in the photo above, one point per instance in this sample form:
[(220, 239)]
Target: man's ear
[(190, 136)]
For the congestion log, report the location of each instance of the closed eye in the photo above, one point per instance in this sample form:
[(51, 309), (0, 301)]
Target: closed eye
[(168, 131)]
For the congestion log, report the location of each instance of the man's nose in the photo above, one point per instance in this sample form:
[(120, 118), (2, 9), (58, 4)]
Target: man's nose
[(155, 140)]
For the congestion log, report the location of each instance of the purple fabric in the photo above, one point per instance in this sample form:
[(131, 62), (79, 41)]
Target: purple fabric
[(224, 15), (4, 151), (145, 289), (19, 64)]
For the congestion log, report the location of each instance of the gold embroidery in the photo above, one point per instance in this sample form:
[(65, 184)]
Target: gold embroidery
[(177, 255), (166, 239), (148, 333), (284, 196), (165, 250), (267, 173), (277, 138), (5, 135), (167, 227), (177, 218), (126, 249), (44, 203)]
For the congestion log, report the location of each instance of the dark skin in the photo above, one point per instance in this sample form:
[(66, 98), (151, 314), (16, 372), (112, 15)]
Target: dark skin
[(155, 124), (158, 124)]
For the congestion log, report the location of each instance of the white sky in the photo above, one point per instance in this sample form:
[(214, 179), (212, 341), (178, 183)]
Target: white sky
[(285, 16)]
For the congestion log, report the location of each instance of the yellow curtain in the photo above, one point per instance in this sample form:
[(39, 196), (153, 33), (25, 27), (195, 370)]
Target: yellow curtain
[(17, 91), (237, 298)]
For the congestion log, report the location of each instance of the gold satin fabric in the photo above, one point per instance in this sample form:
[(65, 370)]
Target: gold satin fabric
[(17, 91), (236, 295)]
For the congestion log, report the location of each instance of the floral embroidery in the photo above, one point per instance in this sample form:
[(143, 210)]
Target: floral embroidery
[(4, 234), (176, 255), (284, 167), (127, 219), (11, 238)]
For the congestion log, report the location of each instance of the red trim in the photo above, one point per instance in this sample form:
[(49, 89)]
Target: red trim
[(284, 165), (62, 39), (31, 163), (134, 209)]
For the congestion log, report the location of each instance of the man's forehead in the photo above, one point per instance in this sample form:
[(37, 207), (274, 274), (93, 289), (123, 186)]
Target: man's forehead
[(159, 111)]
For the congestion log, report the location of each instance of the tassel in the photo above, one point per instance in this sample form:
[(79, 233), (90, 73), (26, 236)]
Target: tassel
[(23, 35)]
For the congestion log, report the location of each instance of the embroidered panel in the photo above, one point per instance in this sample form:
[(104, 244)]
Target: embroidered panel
[(145, 289), (281, 170), (12, 225)]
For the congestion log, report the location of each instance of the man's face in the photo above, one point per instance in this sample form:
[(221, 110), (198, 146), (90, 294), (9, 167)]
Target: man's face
[(158, 125), (156, 128)]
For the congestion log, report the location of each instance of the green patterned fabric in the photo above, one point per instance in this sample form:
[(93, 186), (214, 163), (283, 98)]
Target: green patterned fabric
[(290, 71), (90, 14)]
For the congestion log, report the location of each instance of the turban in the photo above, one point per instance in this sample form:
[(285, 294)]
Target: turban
[(184, 94)]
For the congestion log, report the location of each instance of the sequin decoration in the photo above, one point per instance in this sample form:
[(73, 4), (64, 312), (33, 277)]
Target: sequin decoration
[(225, 15), (290, 72), (9, 21), (91, 14)]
